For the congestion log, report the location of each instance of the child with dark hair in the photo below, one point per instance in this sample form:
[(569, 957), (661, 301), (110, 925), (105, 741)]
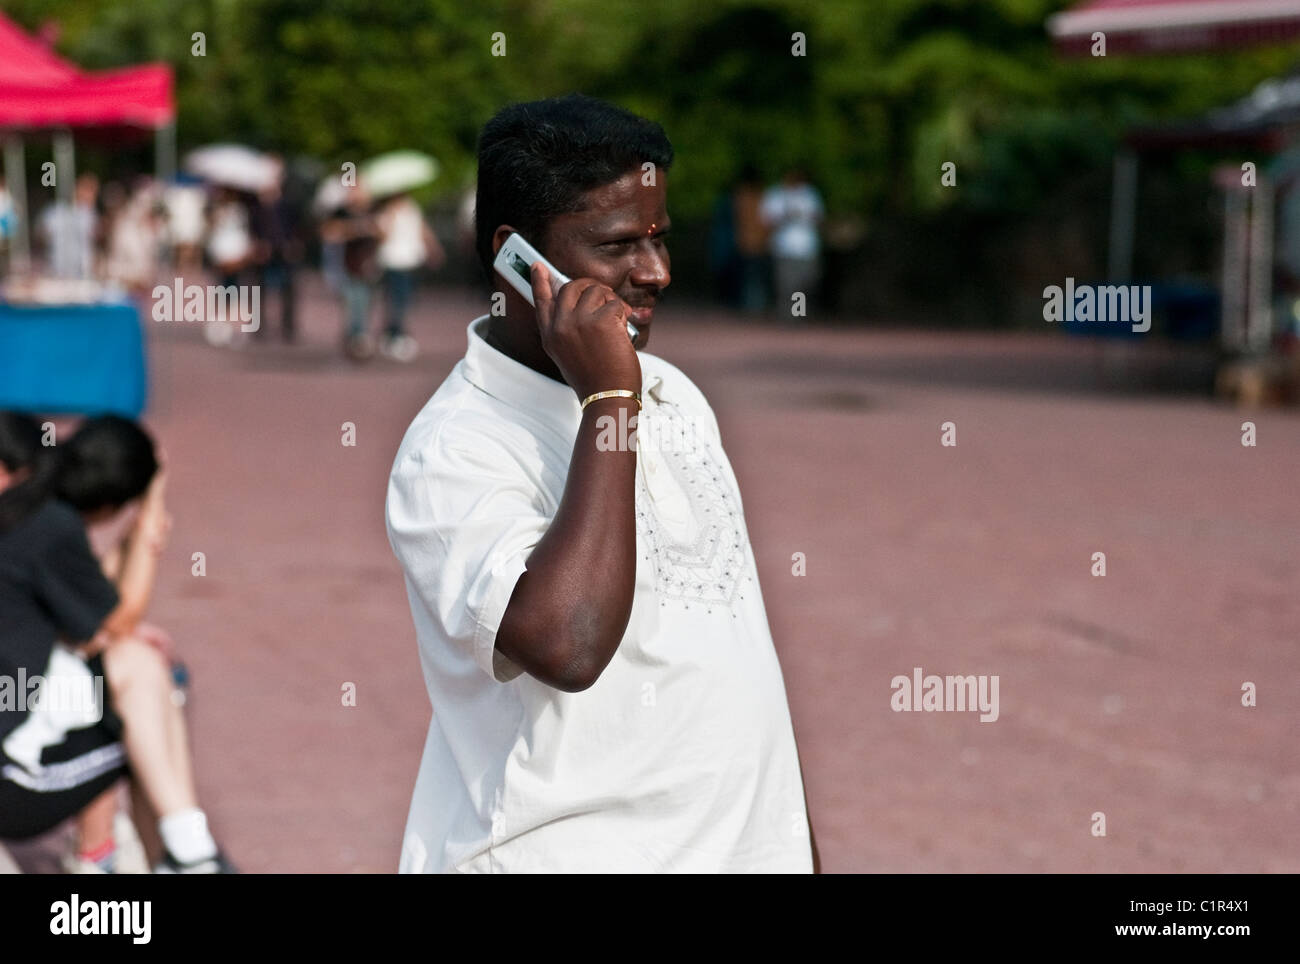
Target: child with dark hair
[(65, 618)]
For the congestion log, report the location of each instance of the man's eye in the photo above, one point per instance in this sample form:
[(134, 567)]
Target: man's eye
[(616, 245)]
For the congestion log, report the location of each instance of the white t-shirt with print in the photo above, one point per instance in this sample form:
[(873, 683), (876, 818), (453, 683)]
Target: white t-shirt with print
[(401, 245), (681, 756), (793, 213)]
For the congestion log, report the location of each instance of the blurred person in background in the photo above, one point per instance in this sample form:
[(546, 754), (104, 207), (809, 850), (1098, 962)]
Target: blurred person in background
[(8, 227), (134, 233), (279, 246), (752, 267), (722, 249), (406, 243), (230, 239), (230, 249), (71, 231), (184, 204), (105, 839), (792, 211), (739, 242), (331, 251), (353, 227), (65, 616)]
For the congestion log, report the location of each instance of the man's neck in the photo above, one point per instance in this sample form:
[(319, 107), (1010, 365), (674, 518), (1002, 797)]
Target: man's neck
[(507, 336)]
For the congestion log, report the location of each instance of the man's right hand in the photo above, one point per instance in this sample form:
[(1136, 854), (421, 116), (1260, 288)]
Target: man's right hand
[(584, 330), (570, 608)]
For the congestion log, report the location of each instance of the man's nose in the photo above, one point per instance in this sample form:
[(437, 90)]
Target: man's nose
[(651, 268)]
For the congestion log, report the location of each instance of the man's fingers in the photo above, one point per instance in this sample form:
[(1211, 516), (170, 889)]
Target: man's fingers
[(543, 301), (573, 291), (593, 296)]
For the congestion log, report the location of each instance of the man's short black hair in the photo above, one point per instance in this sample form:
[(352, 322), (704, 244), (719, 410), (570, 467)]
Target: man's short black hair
[(536, 159)]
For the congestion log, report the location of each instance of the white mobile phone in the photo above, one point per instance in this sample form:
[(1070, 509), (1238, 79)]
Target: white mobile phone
[(514, 263)]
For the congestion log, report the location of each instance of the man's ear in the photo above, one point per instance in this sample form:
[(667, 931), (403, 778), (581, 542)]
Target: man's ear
[(499, 236)]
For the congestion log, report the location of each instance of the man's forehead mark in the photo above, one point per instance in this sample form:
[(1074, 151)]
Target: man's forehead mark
[(618, 223)]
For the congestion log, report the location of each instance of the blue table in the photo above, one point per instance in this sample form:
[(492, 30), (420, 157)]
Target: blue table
[(72, 359)]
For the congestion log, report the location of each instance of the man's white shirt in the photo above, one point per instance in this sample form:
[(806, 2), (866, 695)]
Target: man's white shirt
[(681, 756)]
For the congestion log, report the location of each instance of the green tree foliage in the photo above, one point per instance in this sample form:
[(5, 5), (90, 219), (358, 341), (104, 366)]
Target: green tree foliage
[(886, 92)]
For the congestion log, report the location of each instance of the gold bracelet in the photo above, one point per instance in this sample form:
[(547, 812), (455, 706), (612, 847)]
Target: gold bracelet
[(615, 393)]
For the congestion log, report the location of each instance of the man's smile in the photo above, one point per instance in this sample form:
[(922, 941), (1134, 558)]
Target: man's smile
[(641, 316)]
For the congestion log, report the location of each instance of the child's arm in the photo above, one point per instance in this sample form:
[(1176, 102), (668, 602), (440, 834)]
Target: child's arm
[(112, 561), (139, 567)]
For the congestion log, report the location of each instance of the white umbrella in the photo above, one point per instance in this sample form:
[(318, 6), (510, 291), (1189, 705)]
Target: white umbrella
[(330, 195), (397, 171), (233, 165)]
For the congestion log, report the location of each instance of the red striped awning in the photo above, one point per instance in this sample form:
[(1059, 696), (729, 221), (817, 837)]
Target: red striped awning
[(1174, 26)]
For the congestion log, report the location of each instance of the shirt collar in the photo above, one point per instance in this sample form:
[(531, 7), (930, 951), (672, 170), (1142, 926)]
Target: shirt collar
[(514, 383), (509, 381), (653, 385)]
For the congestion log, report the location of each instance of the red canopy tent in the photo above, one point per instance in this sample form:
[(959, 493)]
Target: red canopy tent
[(41, 91), (1174, 26), (25, 59), (133, 97)]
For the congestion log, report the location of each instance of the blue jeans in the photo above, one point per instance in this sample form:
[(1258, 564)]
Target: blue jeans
[(356, 304), (398, 287)]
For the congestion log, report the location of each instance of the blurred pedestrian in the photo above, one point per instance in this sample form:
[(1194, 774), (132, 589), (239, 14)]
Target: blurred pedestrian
[(8, 227), (230, 240), (751, 233), (279, 251), (230, 249), (406, 242), (71, 230), (793, 212), (722, 250), (185, 226), (353, 227), (133, 236)]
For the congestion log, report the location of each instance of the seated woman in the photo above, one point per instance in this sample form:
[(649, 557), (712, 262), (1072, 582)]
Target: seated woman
[(56, 759)]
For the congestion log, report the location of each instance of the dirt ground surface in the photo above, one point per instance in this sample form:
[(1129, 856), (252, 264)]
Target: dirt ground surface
[(1119, 695)]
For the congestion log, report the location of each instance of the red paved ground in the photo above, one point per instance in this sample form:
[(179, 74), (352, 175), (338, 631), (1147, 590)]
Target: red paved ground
[(1118, 694)]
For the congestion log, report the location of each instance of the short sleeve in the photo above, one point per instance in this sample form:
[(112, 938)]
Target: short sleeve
[(463, 521), (69, 582)]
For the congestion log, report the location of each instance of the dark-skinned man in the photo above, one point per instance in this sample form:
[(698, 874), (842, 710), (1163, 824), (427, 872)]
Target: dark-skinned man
[(606, 695)]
